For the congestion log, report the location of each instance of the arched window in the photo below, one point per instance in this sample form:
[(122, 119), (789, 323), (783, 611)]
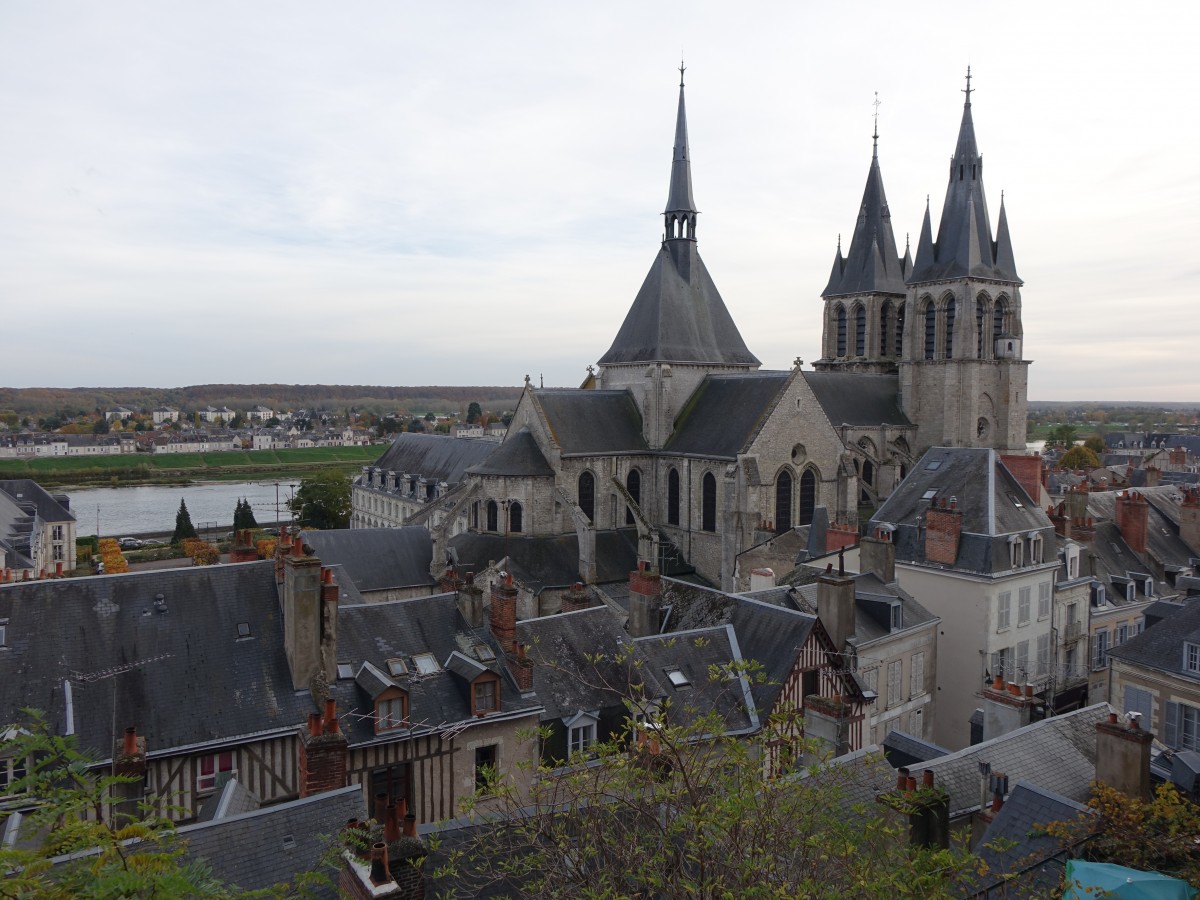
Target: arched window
[(885, 315), (868, 472), (673, 497), (808, 496), (999, 313), (860, 331), (708, 502), (783, 502), (950, 310), (633, 484), (898, 347), (587, 495), (980, 313), (930, 330), (493, 515), (841, 331), (475, 515), (516, 517)]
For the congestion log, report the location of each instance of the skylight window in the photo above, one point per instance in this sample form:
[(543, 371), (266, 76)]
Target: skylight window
[(933, 465), (484, 653), (678, 679), (345, 670), (426, 664), (1016, 501), (243, 630), (929, 494), (397, 667)]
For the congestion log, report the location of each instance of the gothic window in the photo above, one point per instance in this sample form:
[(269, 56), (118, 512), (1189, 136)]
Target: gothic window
[(885, 314), (930, 330), (516, 517), (493, 515), (998, 316), (868, 472), (841, 331), (587, 495), (950, 310), (860, 331), (673, 497), (708, 502), (783, 502), (980, 314), (633, 484), (808, 496), (898, 346)]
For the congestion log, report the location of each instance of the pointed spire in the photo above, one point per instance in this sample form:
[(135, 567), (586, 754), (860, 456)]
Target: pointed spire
[(925, 254), (1005, 262), (679, 198)]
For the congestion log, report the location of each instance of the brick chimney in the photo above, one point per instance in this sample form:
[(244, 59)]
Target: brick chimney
[(1189, 519), (645, 602), (130, 756), (576, 598), (877, 555), (470, 601), (1028, 472), (393, 865), (943, 529), (1177, 458), (1077, 501), (449, 581), (323, 753), (839, 535), (1153, 476), (835, 606), (1133, 516), (504, 614), (243, 549), (1123, 756), (521, 667), (302, 613)]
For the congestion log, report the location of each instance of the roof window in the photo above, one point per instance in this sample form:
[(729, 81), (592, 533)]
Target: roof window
[(243, 630), (1016, 501), (484, 653), (397, 666), (345, 670), (426, 664), (678, 679), (933, 465), (929, 494)]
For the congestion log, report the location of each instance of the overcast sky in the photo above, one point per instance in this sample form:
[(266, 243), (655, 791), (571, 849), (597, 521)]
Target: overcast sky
[(463, 193)]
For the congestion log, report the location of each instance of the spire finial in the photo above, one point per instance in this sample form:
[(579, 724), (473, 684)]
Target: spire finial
[(968, 88), (682, 69), (906, 243), (875, 136), (839, 243)]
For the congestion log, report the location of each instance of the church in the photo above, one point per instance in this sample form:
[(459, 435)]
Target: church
[(680, 433)]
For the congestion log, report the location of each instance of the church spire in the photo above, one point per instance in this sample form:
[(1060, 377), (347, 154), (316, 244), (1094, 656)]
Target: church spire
[(680, 214)]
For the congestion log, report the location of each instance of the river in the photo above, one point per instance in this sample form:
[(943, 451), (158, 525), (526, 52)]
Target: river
[(151, 509)]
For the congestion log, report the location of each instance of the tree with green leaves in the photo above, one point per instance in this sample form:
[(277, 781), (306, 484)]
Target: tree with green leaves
[(1062, 435), (1079, 458), (473, 412), (678, 806), (243, 516), (1096, 444), (323, 500), (184, 528)]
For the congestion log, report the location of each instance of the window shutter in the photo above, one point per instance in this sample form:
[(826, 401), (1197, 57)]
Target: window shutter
[(1171, 729), (1138, 700)]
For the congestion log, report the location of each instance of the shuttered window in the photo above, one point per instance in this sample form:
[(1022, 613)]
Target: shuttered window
[(917, 676), (893, 687)]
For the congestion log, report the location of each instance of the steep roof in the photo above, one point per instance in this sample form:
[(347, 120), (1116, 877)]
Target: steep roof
[(857, 398), (964, 245), (376, 559), (1161, 647), (586, 422), (518, 456), (435, 456), (872, 264), (64, 629), (724, 414)]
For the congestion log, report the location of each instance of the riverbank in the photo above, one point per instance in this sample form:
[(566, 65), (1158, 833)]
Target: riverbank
[(167, 469)]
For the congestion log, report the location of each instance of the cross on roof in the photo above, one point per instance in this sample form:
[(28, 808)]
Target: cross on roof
[(682, 69), (967, 91)]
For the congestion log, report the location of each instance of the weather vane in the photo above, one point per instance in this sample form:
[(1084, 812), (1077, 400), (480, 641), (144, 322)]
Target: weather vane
[(968, 88), (682, 69)]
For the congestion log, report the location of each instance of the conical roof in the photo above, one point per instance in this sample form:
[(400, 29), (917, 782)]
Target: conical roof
[(679, 196), (872, 264), (964, 246)]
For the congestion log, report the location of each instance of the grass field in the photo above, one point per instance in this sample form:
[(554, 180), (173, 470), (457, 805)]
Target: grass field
[(147, 467)]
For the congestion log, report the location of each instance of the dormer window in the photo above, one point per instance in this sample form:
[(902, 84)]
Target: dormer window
[(1148, 587), (391, 712), (897, 617), (1016, 551), (485, 695), (12, 770), (1099, 595), (1191, 659)]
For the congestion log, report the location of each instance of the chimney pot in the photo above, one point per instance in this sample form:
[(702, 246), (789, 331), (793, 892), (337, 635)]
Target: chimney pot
[(410, 825), (391, 827), (314, 724), (910, 783), (130, 747), (1112, 718), (901, 778), (331, 720), (379, 866), (381, 802), (1028, 691), (927, 778)]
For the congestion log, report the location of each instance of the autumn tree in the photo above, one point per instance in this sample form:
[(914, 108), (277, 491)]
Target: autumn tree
[(323, 500), (184, 528), (1079, 458)]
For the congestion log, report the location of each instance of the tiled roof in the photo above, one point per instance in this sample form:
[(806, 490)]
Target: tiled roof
[(858, 398), (435, 456), (725, 413), (518, 456), (376, 558), (588, 422)]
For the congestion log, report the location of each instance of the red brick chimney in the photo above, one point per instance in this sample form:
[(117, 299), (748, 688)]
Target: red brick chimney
[(243, 549), (943, 529), (1027, 470), (839, 535), (1189, 519), (1059, 519), (1177, 458), (576, 598), (645, 601), (323, 753), (449, 581), (1133, 515), (521, 667), (504, 614), (130, 761)]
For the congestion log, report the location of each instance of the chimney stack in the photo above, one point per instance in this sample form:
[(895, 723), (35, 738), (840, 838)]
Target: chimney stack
[(1133, 518), (1007, 708), (130, 761), (470, 601), (1028, 471), (835, 607), (840, 535), (323, 753), (576, 598), (1123, 756), (877, 555), (943, 530), (645, 602), (504, 613), (1189, 519)]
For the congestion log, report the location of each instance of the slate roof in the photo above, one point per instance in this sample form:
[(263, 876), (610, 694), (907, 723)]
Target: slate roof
[(991, 500), (768, 635), (234, 798), (434, 456), (873, 607), (902, 749), (575, 662), (678, 316), (518, 456), (858, 398), (591, 422), (212, 686), (249, 851), (696, 654), (376, 559), (1016, 842), (1058, 754), (1113, 563), (1162, 522), (1161, 647), (724, 414), (871, 265), (377, 632), (964, 245)]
